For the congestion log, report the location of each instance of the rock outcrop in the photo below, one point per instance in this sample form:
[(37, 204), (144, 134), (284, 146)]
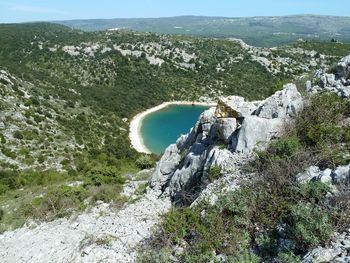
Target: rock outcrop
[(234, 127), (337, 252), (338, 82), (343, 67)]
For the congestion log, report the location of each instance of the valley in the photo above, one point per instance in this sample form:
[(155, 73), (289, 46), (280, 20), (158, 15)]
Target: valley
[(260, 176)]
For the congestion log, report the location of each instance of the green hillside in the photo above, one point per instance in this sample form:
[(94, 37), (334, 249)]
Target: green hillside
[(67, 96)]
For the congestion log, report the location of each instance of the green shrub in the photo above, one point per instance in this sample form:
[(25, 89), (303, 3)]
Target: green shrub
[(288, 257), (3, 188), (8, 152), (313, 192), (309, 226), (208, 232), (238, 206), (106, 193), (43, 178), (59, 202), (266, 245), (245, 256), (2, 139), (18, 135), (104, 175), (214, 173), (2, 213), (145, 162), (160, 256), (318, 123), (285, 146)]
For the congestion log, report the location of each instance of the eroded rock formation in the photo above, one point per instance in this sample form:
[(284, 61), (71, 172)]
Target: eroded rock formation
[(234, 127)]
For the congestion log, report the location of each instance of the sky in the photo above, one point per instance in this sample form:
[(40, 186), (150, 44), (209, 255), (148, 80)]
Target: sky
[(12, 11)]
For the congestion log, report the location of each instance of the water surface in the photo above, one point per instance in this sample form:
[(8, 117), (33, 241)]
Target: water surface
[(161, 128)]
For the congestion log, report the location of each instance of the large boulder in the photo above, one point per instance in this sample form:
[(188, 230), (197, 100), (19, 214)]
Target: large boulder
[(220, 157), (166, 167), (225, 127), (282, 104), (205, 124), (256, 132), (327, 80), (343, 67), (234, 107)]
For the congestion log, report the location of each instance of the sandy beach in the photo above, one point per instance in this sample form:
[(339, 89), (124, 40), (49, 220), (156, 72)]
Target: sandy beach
[(135, 124)]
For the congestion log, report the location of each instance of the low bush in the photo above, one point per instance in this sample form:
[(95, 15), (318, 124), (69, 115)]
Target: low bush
[(205, 234), (8, 152), (309, 226), (59, 202), (1, 214), (104, 175), (18, 135), (285, 147), (145, 162), (106, 193), (214, 173)]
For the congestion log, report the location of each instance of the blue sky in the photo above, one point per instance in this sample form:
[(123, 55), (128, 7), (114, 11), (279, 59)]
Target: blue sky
[(46, 10)]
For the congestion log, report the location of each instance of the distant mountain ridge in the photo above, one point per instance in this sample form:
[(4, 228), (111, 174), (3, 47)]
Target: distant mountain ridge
[(259, 31)]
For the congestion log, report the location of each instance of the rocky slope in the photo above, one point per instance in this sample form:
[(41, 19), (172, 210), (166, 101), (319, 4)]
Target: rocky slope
[(101, 235), (224, 137), (39, 130)]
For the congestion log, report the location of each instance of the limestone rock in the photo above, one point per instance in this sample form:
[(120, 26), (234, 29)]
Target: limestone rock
[(220, 157), (309, 174), (284, 103), (206, 121), (321, 255), (166, 166), (225, 128), (327, 80), (227, 108), (343, 67), (326, 176), (256, 132), (234, 107), (187, 175), (341, 174), (308, 86), (75, 239)]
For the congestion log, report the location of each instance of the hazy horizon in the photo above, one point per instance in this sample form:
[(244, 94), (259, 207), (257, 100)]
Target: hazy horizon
[(40, 10)]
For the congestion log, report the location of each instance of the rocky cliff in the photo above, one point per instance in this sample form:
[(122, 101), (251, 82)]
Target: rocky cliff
[(227, 136), (231, 131)]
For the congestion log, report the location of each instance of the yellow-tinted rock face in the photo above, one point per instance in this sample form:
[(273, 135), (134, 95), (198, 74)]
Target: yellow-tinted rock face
[(225, 111)]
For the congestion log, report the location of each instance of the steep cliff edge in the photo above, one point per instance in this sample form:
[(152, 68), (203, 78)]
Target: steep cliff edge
[(223, 136)]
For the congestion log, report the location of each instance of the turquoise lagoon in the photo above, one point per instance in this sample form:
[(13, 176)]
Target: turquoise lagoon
[(161, 128)]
